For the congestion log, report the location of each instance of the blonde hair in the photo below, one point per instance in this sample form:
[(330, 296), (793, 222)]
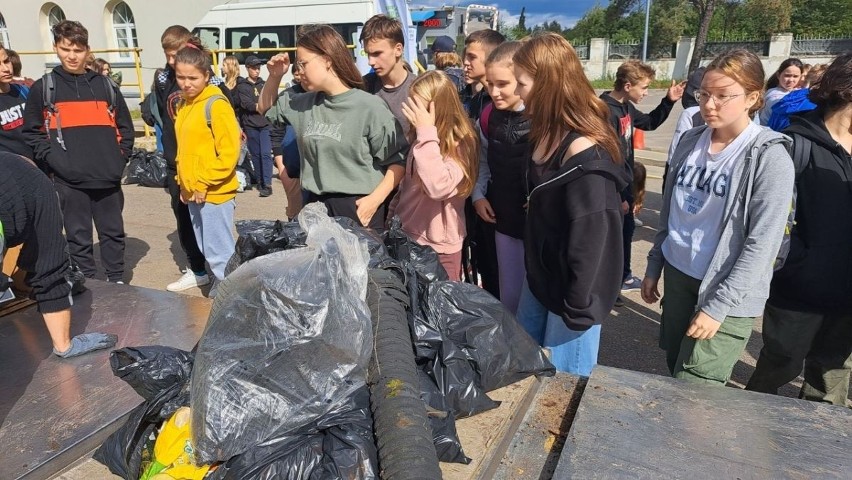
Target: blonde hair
[(231, 70), (446, 60), (455, 131)]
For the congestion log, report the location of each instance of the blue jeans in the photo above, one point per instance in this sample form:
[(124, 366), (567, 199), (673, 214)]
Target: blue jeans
[(260, 147), (212, 223), (572, 351)]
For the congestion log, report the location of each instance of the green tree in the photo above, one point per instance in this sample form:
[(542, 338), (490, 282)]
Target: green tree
[(592, 25), (668, 21), (705, 14), (763, 18), (822, 18)]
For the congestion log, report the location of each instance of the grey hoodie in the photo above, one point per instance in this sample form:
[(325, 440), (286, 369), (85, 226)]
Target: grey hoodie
[(737, 280)]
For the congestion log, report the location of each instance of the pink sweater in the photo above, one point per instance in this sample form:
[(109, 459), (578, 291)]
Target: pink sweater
[(428, 204)]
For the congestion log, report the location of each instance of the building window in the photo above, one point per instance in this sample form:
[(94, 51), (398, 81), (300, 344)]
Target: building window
[(4, 33), (54, 16), (125, 28)]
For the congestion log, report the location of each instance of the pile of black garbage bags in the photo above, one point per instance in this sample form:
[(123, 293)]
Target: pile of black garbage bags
[(296, 371)]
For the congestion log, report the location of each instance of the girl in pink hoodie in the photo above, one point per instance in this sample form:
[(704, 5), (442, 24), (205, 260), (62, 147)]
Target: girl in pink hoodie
[(441, 169)]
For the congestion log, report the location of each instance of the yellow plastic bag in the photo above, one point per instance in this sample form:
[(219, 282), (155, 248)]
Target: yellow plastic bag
[(173, 452)]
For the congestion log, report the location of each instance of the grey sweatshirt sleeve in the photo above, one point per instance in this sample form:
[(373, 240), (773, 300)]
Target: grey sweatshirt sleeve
[(481, 187), (772, 194)]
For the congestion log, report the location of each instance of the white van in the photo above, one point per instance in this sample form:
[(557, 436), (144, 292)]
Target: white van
[(273, 24)]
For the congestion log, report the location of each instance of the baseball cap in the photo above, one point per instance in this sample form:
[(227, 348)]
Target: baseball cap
[(253, 61), (443, 44)]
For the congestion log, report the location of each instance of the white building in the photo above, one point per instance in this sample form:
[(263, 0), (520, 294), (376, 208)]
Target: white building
[(25, 27)]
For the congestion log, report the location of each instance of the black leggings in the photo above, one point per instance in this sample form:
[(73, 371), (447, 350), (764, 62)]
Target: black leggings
[(343, 205)]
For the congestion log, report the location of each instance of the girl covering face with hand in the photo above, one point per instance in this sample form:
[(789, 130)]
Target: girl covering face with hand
[(440, 171)]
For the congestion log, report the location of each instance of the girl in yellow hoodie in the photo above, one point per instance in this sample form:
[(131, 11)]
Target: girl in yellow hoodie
[(208, 140)]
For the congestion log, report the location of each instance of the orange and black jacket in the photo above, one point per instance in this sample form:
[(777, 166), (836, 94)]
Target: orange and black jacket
[(94, 144)]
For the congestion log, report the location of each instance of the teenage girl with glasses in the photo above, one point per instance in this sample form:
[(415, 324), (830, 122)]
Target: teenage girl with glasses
[(725, 206)]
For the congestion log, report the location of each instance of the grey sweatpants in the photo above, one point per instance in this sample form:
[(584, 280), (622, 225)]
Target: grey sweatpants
[(212, 224)]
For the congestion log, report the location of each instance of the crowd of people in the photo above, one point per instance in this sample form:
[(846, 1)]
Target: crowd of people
[(504, 160)]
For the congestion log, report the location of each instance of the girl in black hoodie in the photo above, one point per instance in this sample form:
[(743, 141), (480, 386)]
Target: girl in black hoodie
[(572, 236), (808, 317)]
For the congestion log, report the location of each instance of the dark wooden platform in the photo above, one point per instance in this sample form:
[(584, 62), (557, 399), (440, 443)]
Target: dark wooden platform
[(54, 411), (636, 425)]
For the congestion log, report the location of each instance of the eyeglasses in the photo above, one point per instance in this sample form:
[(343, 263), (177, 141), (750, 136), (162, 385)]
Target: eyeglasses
[(301, 63), (718, 100)]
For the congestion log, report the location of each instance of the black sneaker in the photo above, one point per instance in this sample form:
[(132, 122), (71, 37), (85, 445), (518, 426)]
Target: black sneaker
[(619, 302), (265, 191)]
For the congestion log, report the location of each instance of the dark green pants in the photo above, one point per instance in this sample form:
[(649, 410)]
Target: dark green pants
[(708, 361), (823, 343)]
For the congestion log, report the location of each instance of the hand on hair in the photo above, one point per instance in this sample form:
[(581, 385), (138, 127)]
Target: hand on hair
[(676, 90), (278, 65), (417, 113)]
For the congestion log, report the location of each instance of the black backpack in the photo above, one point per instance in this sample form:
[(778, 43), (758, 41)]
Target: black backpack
[(801, 155), (48, 92)]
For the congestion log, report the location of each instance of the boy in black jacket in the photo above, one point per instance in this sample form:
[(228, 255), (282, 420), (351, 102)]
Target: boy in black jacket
[(161, 105), (84, 143), (255, 125), (808, 317), (13, 98), (631, 85)]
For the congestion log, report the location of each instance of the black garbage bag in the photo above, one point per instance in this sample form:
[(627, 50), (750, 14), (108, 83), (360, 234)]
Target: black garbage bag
[(151, 370), (445, 362), (287, 341), (338, 445), (155, 171), (492, 342), (135, 166), (421, 259), (161, 376), (262, 237), (443, 422)]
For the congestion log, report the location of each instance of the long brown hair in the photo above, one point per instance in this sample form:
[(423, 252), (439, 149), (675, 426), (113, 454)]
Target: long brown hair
[(324, 40), (455, 131), (562, 99)]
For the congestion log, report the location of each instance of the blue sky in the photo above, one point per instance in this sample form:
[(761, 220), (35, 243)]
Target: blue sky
[(566, 12)]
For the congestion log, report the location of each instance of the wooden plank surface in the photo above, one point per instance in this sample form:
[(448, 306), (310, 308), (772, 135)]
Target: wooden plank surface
[(636, 425), (54, 411)]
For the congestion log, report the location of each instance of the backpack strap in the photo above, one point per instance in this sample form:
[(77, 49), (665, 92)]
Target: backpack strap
[(801, 153), (208, 115), (110, 86), (22, 90), (48, 92), (483, 119)]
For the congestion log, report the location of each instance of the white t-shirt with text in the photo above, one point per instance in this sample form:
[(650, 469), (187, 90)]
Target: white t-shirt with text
[(701, 189)]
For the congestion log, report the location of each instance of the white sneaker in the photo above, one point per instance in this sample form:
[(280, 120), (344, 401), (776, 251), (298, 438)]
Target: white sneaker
[(187, 281)]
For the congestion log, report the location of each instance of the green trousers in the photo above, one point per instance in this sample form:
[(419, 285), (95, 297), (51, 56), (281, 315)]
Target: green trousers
[(708, 361)]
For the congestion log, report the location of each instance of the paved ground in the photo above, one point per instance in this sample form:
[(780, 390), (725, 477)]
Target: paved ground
[(629, 338)]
